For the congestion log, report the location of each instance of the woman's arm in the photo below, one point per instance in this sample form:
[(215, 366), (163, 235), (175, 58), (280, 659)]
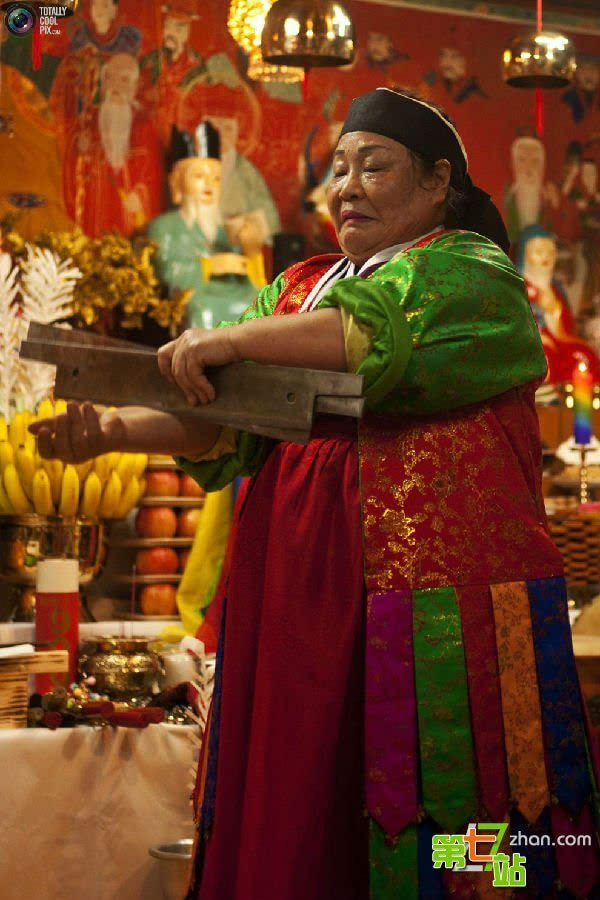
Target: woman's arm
[(85, 431), (313, 341)]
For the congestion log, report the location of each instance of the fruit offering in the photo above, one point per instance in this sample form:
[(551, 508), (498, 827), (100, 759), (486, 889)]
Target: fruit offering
[(156, 561), (156, 522), (158, 600), (187, 522), (162, 483), (108, 486)]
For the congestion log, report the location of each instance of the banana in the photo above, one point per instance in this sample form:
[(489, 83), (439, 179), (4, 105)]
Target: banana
[(45, 410), (60, 407), (128, 499), (142, 492), (113, 458), (25, 464), (3, 429), (16, 494), (54, 469), (69, 492), (7, 454), (17, 430), (6, 507), (110, 496), (90, 498), (125, 468), (102, 467), (41, 494), (140, 463), (84, 469)]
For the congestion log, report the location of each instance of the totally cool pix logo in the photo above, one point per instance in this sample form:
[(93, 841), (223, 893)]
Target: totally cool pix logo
[(21, 19)]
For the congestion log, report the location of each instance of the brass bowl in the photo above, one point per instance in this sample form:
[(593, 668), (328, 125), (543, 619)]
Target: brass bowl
[(124, 668), (26, 539)]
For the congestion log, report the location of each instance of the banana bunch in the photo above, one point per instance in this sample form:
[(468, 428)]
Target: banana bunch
[(108, 486)]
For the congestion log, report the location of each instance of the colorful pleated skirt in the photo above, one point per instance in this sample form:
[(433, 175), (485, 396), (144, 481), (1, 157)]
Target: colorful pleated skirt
[(353, 733)]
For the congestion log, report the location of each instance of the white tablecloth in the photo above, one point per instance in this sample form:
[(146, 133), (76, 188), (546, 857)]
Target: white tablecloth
[(80, 808)]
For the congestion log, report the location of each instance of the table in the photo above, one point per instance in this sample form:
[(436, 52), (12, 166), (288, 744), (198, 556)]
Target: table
[(82, 806)]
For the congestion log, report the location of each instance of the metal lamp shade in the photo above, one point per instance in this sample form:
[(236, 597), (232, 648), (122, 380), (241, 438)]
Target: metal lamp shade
[(308, 33), (540, 59)]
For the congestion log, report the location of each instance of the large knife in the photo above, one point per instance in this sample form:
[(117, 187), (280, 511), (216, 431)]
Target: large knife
[(275, 401)]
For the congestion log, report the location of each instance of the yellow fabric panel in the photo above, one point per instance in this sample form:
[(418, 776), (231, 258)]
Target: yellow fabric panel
[(358, 340), (225, 443), (197, 584)]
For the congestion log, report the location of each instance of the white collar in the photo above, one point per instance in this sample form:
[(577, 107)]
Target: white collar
[(343, 268)]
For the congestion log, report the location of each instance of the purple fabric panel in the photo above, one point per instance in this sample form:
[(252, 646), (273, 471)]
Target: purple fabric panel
[(390, 711), (578, 866)]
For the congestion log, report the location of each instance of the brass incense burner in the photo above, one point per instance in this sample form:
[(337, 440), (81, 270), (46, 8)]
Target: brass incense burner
[(124, 668)]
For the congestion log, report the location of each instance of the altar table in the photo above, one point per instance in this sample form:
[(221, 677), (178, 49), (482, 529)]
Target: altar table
[(82, 806)]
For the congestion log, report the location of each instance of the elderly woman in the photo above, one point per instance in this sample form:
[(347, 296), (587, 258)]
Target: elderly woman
[(395, 658)]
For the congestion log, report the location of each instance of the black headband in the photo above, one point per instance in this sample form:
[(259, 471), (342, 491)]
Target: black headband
[(424, 130)]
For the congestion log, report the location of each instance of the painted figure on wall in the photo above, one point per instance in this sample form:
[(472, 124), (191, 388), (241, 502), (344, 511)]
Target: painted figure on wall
[(583, 95), (381, 51), (456, 79), (172, 70), (196, 249), (112, 167), (536, 260), (102, 33), (529, 200)]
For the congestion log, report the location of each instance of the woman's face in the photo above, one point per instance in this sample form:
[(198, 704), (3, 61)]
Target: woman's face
[(377, 198)]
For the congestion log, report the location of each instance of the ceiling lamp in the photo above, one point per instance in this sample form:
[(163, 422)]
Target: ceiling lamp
[(308, 33), (541, 59), (245, 23), (259, 70)]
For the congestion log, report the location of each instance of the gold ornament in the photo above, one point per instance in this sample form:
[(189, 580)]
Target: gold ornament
[(540, 59), (308, 33)]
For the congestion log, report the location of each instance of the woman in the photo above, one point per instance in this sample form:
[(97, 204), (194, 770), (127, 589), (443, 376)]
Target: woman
[(395, 653)]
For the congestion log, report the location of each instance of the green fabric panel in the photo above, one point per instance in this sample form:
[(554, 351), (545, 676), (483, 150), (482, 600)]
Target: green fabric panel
[(471, 325), (214, 474), (446, 744), (392, 343), (394, 870), (594, 783)]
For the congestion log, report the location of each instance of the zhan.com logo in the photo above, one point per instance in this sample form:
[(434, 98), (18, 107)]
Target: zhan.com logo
[(21, 18)]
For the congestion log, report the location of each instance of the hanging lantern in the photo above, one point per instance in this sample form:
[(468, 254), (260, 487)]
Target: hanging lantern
[(259, 70), (541, 59), (245, 23), (308, 33), (246, 20)]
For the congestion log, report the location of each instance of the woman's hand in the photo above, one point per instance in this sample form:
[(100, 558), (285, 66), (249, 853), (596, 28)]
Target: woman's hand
[(79, 434), (183, 361)]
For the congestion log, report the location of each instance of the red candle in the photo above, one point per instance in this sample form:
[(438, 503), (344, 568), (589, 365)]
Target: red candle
[(57, 616)]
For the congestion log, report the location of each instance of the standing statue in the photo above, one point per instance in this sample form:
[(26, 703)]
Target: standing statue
[(536, 258), (220, 261)]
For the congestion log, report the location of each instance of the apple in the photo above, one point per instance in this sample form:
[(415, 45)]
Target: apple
[(187, 522), (156, 521), (158, 599), (156, 561), (190, 488), (162, 483), (184, 555)]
